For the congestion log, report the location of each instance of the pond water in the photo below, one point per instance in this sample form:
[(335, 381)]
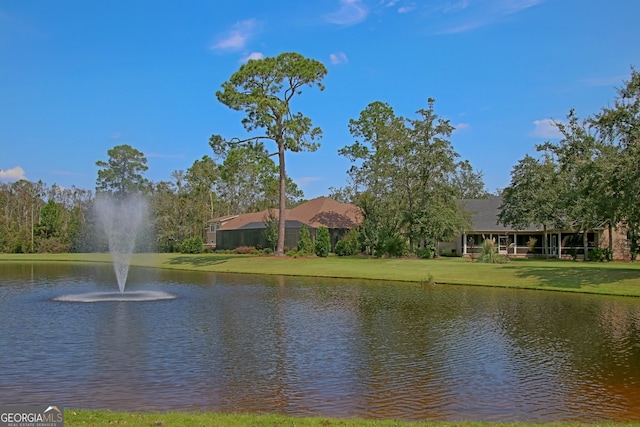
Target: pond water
[(316, 347)]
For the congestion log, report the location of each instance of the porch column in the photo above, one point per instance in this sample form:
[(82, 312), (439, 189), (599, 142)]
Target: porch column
[(464, 243), (559, 245)]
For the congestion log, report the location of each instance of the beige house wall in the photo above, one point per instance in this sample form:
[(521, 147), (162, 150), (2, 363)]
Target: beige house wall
[(621, 250)]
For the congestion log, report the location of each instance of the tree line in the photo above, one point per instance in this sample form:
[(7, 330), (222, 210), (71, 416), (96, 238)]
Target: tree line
[(35, 217), (587, 180)]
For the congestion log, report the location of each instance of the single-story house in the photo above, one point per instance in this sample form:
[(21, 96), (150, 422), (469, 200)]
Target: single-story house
[(561, 243), (230, 232)]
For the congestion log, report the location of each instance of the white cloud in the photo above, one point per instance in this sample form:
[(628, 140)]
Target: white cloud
[(515, 6), (455, 6), (165, 156), (116, 135), (13, 174), (546, 128), (466, 16), (401, 9), (338, 58), (237, 36), (464, 28), (604, 81), (461, 126), (351, 12), (252, 55), (304, 180)]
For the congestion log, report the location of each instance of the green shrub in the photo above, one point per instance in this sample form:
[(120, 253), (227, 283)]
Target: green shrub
[(343, 248), (574, 253), (305, 245), (489, 253), (396, 246), (451, 252), (598, 254), (353, 240), (271, 230), (192, 245), (349, 244), (608, 254), (323, 242), (425, 253), (267, 251), (244, 250)]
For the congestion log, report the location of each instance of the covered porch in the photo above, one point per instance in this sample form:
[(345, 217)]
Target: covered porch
[(560, 244)]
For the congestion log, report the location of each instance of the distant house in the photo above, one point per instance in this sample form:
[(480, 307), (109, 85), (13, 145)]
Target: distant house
[(561, 243), (230, 232)]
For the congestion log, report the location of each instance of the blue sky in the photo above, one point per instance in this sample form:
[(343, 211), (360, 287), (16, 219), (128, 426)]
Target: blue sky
[(80, 77)]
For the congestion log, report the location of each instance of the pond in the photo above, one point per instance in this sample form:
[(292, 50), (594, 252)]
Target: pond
[(316, 347)]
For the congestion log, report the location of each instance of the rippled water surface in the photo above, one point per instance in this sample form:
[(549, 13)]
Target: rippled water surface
[(316, 347)]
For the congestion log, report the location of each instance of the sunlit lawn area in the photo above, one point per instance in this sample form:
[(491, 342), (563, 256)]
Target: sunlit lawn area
[(183, 419), (616, 278)]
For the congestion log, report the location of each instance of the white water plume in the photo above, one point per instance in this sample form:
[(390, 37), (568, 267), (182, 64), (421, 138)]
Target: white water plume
[(121, 219)]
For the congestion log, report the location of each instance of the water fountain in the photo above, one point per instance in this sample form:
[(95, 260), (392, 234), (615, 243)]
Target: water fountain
[(121, 219)]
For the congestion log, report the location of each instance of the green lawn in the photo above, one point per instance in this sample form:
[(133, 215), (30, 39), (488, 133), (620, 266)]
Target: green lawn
[(601, 278), (186, 419)]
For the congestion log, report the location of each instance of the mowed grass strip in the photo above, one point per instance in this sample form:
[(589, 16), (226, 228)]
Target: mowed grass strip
[(95, 418), (616, 278)]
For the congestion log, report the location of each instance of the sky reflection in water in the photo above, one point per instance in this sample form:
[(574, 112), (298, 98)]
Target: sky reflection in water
[(316, 347)]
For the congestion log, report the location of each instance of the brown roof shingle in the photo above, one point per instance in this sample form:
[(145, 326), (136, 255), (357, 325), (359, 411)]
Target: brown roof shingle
[(325, 211), (322, 211)]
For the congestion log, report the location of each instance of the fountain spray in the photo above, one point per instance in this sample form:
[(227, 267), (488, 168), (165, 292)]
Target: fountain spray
[(121, 218)]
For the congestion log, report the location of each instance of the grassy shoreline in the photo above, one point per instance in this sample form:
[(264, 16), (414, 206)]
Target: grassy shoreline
[(97, 418), (622, 279)]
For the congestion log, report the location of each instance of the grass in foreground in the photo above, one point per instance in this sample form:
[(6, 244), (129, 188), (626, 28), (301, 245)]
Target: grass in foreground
[(598, 278), (95, 418)]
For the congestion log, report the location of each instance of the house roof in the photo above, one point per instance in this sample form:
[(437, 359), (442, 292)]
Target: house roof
[(322, 211), (224, 218), (484, 215), (327, 212), (260, 225)]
